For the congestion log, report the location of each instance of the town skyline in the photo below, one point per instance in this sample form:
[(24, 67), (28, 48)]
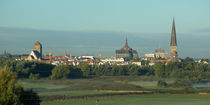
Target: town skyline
[(143, 45)]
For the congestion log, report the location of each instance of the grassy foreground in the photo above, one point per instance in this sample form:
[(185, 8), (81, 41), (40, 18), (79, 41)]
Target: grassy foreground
[(149, 99), (55, 90)]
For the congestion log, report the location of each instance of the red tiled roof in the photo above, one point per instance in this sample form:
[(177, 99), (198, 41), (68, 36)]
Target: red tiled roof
[(61, 56), (46, 57), (24, 57)]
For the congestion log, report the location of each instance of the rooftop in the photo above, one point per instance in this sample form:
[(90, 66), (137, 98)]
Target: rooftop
[(37, 43)]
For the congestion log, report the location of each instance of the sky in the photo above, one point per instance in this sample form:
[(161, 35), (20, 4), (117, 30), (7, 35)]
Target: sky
[(87, 27)]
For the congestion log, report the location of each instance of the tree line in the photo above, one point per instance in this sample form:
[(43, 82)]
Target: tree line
[(188, 69)]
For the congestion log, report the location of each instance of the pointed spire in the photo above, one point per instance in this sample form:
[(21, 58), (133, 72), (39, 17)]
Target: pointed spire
[(126, 43), (173, 34), (126, 47)]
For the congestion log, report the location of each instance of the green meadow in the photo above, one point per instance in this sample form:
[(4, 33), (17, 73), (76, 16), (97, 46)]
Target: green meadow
[(149, 99), (91, 89)]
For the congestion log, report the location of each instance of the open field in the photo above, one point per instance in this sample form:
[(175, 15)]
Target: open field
[(111, 91), (149, 99), (77, 87), (100, 83), (91, 86)]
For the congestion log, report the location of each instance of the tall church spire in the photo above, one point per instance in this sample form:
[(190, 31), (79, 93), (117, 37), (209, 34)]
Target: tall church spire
[(126, 43), (126, 47), (173, 35), (173, 45)]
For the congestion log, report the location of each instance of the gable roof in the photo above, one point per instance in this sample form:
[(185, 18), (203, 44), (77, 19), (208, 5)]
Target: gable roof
[(34, 55)]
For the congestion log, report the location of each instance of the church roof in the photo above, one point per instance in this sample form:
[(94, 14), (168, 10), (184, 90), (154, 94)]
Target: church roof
[(126, 47), (34, 55), (125, 51)]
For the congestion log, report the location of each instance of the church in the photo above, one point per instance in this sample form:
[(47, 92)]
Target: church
[(36, 53), (126, 52)]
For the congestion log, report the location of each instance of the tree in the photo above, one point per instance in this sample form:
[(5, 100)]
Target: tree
[(9, 92), (123, 69), (12, 93), (188, 59), (34, 76), (133, 70), (108, 70), (160, 70), (29, 97), (86, 69), (60, 72), (114, 70)]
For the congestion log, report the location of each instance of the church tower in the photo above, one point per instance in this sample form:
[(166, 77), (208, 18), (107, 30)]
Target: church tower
[(173, 45), (38, 48)]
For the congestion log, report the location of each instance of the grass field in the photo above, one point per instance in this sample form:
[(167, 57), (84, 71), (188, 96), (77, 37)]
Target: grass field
[(100, 83), (102, 87), (91, 86), (78, 87), (149, 99)]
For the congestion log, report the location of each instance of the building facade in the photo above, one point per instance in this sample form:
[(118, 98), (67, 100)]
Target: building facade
[(126, 52), (161, 54)]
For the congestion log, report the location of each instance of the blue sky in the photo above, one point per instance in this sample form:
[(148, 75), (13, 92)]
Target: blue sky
[(136, 19)]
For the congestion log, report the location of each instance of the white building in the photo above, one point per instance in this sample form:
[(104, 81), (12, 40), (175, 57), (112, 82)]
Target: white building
[(151, 55), (110, 60)]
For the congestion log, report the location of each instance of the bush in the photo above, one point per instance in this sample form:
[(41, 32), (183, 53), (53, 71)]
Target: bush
[(189, 90), (182, 83), (162, 83), (29, 97), (34, 76)]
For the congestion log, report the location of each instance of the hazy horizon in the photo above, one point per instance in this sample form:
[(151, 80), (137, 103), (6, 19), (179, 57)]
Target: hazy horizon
[(91, 43), (91, 27)]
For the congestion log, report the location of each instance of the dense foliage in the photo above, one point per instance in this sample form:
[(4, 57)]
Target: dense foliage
[(13, 94), (161, 83), (25, 68), (186, 70)]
